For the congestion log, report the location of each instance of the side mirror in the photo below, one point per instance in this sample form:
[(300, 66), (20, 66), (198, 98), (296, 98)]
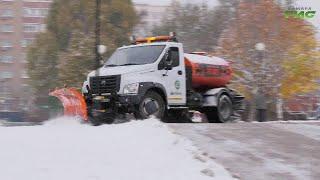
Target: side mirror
[(168, 67)]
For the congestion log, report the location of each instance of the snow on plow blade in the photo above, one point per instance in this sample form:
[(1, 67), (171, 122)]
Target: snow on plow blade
[(73, 102)]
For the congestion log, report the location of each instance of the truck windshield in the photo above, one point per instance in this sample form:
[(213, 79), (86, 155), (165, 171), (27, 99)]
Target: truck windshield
[(135, 56)]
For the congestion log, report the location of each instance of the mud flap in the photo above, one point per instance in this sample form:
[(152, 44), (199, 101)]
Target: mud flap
[(73, 102)]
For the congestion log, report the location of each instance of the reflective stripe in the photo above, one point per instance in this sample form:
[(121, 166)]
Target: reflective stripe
[(175, 97)]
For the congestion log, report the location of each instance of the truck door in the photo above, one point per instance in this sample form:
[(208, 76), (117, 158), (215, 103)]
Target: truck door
[(174, 79)]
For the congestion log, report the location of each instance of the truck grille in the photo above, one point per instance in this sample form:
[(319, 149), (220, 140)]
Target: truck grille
[(105, 84)]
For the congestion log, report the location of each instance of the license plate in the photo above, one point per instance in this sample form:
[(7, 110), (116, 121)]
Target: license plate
[(101, 99)]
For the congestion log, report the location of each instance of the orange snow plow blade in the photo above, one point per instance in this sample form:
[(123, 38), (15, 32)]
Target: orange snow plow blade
[(73, 102)]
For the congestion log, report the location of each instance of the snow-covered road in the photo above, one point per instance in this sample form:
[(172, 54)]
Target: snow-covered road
[(260, 151), (64, 149)]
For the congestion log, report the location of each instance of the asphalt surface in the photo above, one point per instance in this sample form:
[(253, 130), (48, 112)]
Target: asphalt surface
[(260, 151)]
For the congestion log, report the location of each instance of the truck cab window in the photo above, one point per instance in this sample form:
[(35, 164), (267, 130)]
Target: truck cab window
[(175, 56)]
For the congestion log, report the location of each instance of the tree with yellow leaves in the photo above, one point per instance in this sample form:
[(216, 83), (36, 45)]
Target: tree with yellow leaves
[(288, 65), (302, 68)]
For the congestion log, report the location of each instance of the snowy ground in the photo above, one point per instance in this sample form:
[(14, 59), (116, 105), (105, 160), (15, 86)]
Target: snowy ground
[(64, 149)]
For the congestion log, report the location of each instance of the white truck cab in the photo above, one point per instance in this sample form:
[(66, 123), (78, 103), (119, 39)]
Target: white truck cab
[(142, 64), (148, 78)]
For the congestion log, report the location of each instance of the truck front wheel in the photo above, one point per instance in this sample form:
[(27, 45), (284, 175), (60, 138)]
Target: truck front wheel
[(152, 104), (222, 113), (100, 119)]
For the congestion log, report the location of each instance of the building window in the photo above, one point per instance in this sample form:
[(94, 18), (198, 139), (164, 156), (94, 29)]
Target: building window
[(4, 89), (34, 27), (25, 86), (6, 75), (35, 12), (23, 58), (5, 95), (4, 105), (6, 59), (24, 75), (37, 0), (26, 42), (6, 13), (6, 28), (5, 44), (24, 61)]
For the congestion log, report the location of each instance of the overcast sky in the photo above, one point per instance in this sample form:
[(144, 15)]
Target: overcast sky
[(165, 2), (315, 4)]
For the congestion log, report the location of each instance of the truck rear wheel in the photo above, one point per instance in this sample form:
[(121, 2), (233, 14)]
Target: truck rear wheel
[(222, 113), (152, 104)]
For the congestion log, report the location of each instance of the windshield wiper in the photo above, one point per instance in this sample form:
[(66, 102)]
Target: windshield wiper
[(114, 65), (129, 64), (111, 65)]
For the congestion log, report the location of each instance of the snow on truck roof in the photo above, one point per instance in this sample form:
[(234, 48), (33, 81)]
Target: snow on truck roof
[(206, 59)]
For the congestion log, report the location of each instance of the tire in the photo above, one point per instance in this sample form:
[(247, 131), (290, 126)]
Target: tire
[(95, 121), (222, 113), (152, 104), (101, 119)]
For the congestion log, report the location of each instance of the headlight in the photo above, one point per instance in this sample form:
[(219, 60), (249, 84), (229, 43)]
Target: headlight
[(84, 87), (131, 88)]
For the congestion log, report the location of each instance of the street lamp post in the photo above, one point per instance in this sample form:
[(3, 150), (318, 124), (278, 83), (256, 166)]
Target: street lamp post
[(261, 105), (260, 47), (97, 36)]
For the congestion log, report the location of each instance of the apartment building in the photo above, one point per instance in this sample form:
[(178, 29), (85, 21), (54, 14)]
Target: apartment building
[(20, 21)]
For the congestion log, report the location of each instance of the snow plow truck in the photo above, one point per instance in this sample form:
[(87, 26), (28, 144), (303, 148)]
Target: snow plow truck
[(155, 77)]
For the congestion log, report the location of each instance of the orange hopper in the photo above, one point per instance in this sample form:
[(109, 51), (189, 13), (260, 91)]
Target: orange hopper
[(208, 72)]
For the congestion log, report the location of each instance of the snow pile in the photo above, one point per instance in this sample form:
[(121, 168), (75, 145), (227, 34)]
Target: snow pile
[(65, 149)]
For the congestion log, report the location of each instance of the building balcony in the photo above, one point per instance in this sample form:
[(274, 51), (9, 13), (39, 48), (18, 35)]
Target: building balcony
[(6, 75), (5, 1), (6, 28), (5, 48), (6, 59), (6, 13)]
